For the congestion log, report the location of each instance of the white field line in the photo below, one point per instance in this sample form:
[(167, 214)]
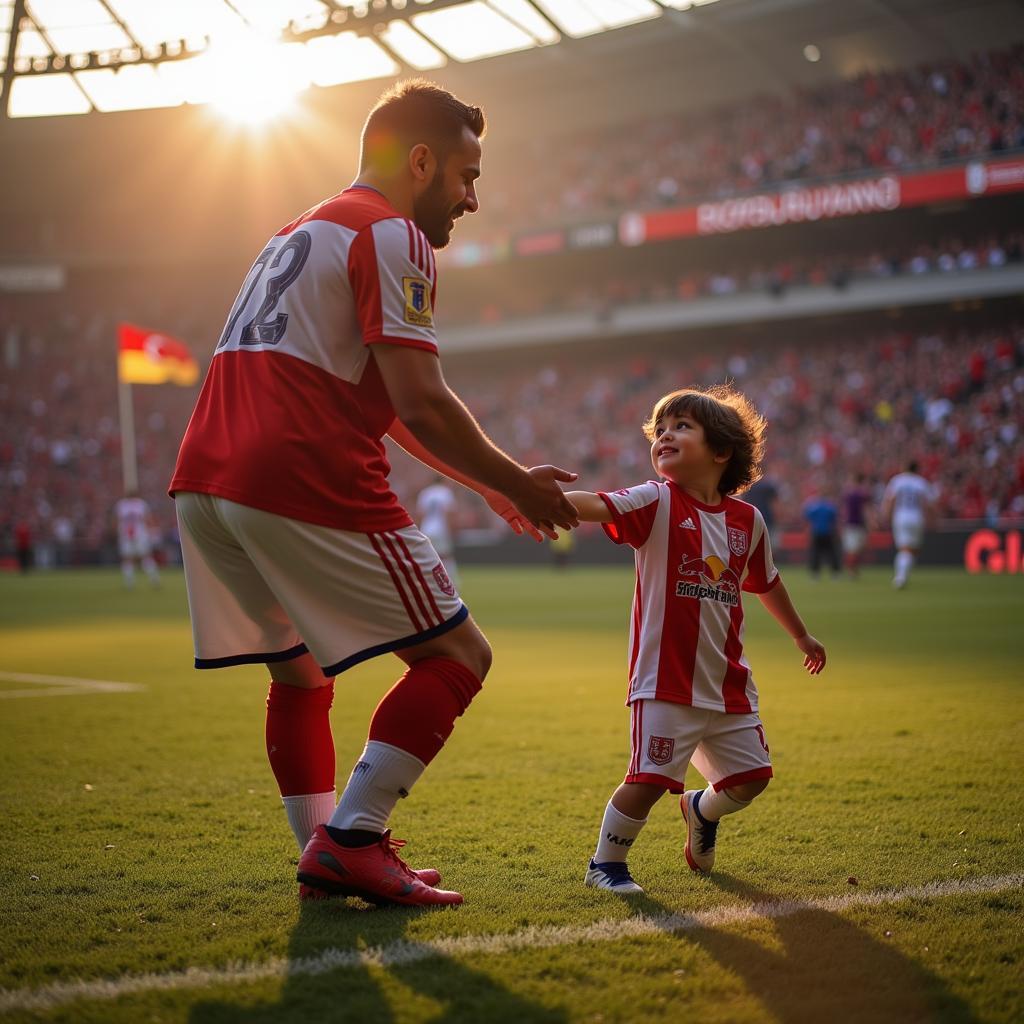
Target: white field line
[(61, 686), (404, 951)]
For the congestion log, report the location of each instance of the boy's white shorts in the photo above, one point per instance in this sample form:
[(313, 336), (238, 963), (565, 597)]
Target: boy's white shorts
[(854, 539), (726, 749), (265, 588), (138, 546)]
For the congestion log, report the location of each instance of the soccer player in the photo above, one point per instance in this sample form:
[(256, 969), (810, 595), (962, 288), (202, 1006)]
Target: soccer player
[(134, 538), (855, 523), (434, 509), (909, 499), (297, 553), (691, 692)]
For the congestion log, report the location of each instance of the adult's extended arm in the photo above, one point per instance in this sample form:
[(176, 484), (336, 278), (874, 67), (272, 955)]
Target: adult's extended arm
[(433, 414)]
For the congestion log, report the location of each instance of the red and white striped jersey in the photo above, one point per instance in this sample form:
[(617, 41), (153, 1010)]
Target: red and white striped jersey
[(293, 409), (692, 562)]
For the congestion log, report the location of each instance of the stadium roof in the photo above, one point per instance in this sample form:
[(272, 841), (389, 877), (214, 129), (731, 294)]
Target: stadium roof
[(76, 56)]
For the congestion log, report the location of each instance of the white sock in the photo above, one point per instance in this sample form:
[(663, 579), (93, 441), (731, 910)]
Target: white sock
[(306, 812), (618, 831), (128, 573), (382, 774), (904, 562), (712, 806)]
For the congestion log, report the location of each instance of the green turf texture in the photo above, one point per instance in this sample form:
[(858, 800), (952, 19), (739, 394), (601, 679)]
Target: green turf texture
[(153, 827)]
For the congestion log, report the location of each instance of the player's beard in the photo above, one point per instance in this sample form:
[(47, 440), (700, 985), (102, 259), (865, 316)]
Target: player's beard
[(432, 213)]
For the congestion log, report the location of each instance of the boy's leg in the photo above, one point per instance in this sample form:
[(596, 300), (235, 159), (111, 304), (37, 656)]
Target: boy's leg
[(663, 736), (733, 756)]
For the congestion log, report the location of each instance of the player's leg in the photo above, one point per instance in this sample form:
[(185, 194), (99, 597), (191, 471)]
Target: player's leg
[(733, 756), (662, 739), (409, 728), (300, 745), (236, 620), (149, 568), (127, 564), (907, 533)]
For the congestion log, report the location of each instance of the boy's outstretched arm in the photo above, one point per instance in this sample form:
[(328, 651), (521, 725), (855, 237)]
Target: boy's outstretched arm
[(780, 606), (590, 507)]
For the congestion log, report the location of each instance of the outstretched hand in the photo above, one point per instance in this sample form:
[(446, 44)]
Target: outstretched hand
[(814, 653), (501, 506), (540, 506)]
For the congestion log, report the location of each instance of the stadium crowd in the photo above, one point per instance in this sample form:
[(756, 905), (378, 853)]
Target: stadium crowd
[(836, 407), (916, 117), (823, 268)]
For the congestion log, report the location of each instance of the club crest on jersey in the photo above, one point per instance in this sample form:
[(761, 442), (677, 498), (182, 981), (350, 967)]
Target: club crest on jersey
[(659, 749), (737, 541), (417, 302), (443, 580)]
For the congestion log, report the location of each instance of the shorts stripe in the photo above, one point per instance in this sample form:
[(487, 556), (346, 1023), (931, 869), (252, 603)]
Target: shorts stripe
[(396, 645), (422, 579), (269, 658), (410, 579), (378, 547)]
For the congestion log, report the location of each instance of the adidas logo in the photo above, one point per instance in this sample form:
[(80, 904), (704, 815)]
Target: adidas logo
[(688, 523)]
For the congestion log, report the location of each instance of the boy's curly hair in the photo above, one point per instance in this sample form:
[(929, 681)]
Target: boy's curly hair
[(731, 424)]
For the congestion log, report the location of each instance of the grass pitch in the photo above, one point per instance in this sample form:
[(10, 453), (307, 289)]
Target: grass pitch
[(143, 838)]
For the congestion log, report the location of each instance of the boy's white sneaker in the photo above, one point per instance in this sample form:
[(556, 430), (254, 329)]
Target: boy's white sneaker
[(700, 835), (612, 874)]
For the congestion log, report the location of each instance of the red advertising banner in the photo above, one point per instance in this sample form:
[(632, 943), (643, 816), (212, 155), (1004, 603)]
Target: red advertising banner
[(797, 204)]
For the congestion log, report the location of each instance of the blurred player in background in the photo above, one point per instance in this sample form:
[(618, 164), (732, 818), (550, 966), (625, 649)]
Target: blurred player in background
[(297, 553), (909, 499), (856, 499), (135, 538), (822, 516), (691, 692), (435, 509)]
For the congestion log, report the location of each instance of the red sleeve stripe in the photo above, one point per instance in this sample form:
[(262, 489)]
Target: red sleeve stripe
[(412, 242), (398, 584), (410, 579), (439, 618)]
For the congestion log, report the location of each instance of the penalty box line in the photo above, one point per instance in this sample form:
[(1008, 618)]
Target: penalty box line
[(61, 686), (404, 951)]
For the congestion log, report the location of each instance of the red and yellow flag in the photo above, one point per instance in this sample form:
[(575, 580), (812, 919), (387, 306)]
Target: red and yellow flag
[(148, 357)]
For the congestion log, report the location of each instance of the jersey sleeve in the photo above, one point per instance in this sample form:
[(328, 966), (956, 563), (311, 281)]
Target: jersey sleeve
[(761, 573), (394, 281), (633, 510)]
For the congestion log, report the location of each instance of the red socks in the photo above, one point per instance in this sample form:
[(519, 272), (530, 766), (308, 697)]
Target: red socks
[(418, 713), (299, 741)]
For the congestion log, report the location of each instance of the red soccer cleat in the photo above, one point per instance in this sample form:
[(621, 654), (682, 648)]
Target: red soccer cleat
[(374, 873)]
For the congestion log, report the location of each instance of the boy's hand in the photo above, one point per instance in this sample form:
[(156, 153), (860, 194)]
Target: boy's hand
[(814, 653)]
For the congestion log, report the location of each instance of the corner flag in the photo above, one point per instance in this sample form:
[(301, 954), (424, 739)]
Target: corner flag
[(148, 357)]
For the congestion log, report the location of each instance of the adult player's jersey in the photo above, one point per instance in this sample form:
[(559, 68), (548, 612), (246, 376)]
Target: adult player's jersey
[(910, 495), (692, 562), (132, 518), (432, 508), (293, 409)]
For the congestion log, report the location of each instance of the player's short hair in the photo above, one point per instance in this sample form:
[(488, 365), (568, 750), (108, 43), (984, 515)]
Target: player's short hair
[(731, 424), (415, 111)]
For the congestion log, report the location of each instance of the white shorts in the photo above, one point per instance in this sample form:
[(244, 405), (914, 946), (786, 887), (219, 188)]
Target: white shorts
[(135, 547), (907, 531), (726, 749), (265, 588), (854, 538)]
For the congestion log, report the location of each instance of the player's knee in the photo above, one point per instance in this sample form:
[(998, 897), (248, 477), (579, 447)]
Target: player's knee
[(747, 791)]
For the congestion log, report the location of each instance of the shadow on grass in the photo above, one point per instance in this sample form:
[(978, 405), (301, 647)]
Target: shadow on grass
[(434, 988), (819, 967)]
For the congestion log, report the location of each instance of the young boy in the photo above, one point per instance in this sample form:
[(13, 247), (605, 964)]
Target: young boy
[(690, 689)]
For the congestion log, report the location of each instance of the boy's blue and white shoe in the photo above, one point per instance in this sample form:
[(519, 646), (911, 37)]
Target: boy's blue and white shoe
[(612, 874), (700, 834)]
